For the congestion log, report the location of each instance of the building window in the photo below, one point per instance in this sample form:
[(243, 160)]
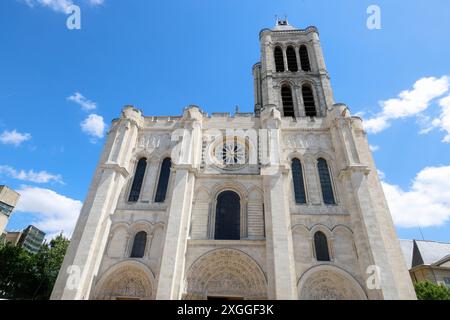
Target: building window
[(321, 246), (139, 243), (228, 216), (325, 182), (163, 180), (288, 101), (308, 101), (291, 59), (5, 209), (279, 60), (447, 282), (304, 58), (137, 180), (299, 185)]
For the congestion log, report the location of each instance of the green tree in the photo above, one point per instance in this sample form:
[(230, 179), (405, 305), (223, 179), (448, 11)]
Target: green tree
[(429, 291), (31, 276), (15, 272)]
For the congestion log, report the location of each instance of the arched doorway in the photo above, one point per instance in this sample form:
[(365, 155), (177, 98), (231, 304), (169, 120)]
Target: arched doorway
[(325, 282), (228, 216), (126, 281), (225, 274)]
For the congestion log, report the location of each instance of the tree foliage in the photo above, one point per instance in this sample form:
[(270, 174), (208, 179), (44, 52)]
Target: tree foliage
[(30, 276), (430, 291)]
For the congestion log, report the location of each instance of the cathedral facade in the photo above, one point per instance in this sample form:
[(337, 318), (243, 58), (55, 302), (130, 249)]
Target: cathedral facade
[(281, 203)]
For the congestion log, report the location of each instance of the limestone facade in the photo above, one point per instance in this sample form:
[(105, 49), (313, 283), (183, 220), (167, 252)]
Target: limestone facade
[(275, 253)]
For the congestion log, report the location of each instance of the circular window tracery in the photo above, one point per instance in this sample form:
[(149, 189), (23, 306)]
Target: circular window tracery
[(230, 153)]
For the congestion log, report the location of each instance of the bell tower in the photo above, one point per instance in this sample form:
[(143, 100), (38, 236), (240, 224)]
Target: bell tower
[(292, 73)]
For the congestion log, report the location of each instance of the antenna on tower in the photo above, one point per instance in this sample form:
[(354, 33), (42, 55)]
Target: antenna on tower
[(420, 229)]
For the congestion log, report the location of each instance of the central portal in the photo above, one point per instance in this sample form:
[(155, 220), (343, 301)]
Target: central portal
[(225, 274)]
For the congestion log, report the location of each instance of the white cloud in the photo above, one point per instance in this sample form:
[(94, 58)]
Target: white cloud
[(55, 5), (86, 104), (426, 203), (55, 212), (59, 5), (94, 126), (96, 2), (408, 103), (30, 175), (443, 122), (376, 125), (13, 137), (374, 148)]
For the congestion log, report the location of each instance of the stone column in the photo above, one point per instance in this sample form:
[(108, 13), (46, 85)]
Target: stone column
[(280, 254), (297, 57), (172, 262), (150, 181), (88, 242), (179, 214), (312, 180), (364, 199), (286, 67), (300, 106), (321, 69)]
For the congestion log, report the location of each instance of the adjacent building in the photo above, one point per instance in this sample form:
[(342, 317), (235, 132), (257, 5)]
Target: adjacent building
[(427, 260), (8, 200), (281, 203), (31, 239), (12, 237)]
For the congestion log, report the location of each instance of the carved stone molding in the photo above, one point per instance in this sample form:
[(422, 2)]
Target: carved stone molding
[(307, 140), (127, 280), (225, 272), (153, 141), (329, 283)]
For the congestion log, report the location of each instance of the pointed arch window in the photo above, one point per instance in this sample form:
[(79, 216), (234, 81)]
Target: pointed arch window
[(321, 246), (325, 182), (308, 101), (228, 216), (139, 243), (299, 185), (291, 59), (288, 101), (279, 59), (304, 58), (163, 180), (137, 180)]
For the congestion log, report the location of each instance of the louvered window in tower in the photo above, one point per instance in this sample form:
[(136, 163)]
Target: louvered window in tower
[(279, 60), (291, 59), (308, 101), (304, 58), (288, 102)]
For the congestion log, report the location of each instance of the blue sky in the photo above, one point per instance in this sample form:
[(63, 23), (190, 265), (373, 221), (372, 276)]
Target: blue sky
[(60, 88)]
